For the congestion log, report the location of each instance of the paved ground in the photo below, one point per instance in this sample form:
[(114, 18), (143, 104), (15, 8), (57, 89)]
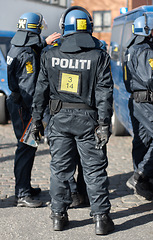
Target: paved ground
[(132, 214)]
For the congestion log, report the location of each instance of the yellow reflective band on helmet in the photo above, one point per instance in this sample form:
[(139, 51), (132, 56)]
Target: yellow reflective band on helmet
[(31, 25), (125, 73), (132, 28), (81, 24), (151, 62)]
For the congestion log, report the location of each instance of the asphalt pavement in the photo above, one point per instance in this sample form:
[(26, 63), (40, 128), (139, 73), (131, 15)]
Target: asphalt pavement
[(132, 214)]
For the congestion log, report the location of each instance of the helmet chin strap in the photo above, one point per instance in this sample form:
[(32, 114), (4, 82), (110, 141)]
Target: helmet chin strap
[(146, 28)]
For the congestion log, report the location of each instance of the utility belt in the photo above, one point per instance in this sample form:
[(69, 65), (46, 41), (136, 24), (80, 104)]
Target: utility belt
[(56, 105), (143, 96)]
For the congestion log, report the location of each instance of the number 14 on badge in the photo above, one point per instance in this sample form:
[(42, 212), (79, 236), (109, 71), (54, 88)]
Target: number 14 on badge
[(70, 82)]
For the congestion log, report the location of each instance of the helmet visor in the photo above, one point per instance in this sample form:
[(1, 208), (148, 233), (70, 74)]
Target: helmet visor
[(44, 25), (149, 20)]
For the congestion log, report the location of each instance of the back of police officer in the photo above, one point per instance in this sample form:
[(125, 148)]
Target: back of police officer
[(138, 78), (23, 62), (76, 78)]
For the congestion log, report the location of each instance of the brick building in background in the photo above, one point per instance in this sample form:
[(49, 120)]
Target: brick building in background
[(104, 11)]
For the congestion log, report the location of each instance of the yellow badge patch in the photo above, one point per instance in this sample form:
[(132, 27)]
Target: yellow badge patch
[(151, 62), (69, 83), (81, 24), (29, 67), (115, 49)]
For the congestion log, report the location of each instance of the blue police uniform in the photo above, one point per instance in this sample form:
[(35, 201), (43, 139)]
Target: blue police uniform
[(23, 68), (23, 63), (138, 66)]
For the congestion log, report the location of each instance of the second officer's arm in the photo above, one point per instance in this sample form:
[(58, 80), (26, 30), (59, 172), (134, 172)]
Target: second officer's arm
[(104, 100), (40, 100)]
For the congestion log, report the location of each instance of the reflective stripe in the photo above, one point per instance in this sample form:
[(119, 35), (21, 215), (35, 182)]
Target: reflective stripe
[(30, 25), (125, 73)]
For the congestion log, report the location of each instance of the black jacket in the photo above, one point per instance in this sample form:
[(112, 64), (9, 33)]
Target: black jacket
[(23, 65), (138, 77), (138, 65), (82, 75)]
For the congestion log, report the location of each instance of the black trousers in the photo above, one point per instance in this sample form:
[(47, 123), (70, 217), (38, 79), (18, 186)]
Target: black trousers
[(71, 129), (142, 151), (24, 155)]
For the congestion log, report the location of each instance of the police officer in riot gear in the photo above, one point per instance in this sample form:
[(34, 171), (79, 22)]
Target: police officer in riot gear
[(138, 78), (77, 184), (76, 78), (23, 62)]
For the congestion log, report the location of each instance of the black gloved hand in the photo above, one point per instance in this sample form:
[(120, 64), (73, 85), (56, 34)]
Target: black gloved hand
[(102, 135), (37, 130)]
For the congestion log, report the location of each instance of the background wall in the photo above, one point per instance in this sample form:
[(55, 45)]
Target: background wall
[(11, 10), (136, 3)]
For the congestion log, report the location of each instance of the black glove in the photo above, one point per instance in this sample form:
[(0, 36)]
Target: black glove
[(37, 130), (102, 135)]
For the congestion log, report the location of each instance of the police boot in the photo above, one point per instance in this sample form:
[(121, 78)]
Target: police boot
[(60, 220), (27, 201), (141, 185), (103, 224)]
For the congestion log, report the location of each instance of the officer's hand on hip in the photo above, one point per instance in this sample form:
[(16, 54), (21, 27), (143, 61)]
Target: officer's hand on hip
[(102, 135), (37, 130)]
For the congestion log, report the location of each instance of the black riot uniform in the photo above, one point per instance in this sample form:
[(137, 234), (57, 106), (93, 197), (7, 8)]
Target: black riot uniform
[(76, 79), (23, 68), (74, 124), (23, 63), (138, 67)]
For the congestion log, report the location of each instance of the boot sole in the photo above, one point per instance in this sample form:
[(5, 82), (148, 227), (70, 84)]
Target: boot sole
[(103, 232), (30, 206), (60, 226)]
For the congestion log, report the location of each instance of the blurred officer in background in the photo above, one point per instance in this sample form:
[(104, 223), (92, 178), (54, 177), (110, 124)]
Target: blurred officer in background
[(23, 62), (138, 78), (76, 78)]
